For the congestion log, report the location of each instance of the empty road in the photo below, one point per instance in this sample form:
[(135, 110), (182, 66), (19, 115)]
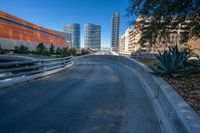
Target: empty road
[(93, 96)]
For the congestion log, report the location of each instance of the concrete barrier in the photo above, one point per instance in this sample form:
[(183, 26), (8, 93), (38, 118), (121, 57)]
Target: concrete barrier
[(173, 113)]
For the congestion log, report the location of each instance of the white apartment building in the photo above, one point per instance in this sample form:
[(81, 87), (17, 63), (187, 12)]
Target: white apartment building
[(122, 43), (129, 42)]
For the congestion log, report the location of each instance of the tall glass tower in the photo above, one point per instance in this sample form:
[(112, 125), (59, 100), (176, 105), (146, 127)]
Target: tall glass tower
[(73, 34), (92, 36), (115, 31)]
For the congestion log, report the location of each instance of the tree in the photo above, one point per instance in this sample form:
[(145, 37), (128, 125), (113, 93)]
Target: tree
[(52, 49), (59, 51), (21, 49), (2, 51), (16, 49), (73, 51), (66, 52), (41, 49), (84, 52), (163, 13)]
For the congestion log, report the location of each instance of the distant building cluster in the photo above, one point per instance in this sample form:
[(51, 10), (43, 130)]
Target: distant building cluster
[(92, 36), (16, 32)]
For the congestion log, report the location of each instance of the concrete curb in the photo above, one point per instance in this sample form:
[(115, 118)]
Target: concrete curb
[(9, 82), (173, 113)]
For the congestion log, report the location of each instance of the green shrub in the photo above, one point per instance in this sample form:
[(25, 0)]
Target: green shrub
[(172, 60), (52, 49), (66, 52), (59, 51), (16, 49), (4, 51), (41, 49), (73, 51), (84, 52), (21, 49)]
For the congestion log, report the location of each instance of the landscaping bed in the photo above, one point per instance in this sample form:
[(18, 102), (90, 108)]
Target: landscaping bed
[(187, 84)]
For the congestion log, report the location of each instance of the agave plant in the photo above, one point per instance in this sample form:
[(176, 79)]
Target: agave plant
[(172, 60)]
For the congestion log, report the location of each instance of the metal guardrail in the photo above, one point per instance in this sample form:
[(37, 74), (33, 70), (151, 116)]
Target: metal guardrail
[(9, 70)]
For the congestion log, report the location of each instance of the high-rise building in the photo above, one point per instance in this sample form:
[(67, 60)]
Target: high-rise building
[(92, 36), (115, 31), (68, 40), (122, 44), (73, 34)]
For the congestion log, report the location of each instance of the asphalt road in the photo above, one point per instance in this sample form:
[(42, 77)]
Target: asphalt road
[(93, 96)]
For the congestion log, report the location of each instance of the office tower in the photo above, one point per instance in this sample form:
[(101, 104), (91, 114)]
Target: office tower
[(115, 31), (68, 40), (73, 34), (92, 36)]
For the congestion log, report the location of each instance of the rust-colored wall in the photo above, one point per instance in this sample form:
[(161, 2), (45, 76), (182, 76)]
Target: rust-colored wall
[(13, 31)]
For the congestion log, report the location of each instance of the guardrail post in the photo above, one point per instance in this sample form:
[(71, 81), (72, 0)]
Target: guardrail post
[(42, 64), (64, 62)]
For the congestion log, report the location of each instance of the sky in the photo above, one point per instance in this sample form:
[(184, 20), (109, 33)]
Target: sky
[(54, 14)]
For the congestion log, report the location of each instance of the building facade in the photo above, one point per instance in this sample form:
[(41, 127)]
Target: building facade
[(122, 44), (68, 40), (115, 31), (73, 34), (129, 42), (15, 32), (173, 35), (92, 36)]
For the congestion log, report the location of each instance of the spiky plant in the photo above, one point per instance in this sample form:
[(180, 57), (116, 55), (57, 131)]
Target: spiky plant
[(172, 60)]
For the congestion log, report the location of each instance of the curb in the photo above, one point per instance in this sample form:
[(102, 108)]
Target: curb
[(173, 113)]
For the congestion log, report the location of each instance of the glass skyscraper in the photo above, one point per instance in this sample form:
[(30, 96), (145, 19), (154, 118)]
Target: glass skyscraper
[(73, 34), (92, 36), (115, 31), (68, 40)]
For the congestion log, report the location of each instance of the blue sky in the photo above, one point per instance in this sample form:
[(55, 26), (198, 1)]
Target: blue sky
[(54, 14)]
